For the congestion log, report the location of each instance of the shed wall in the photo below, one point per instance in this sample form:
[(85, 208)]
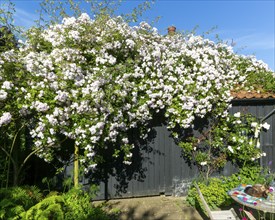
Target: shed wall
[(164, 171)]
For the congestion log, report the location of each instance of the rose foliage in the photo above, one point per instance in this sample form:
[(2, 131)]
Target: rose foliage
[(94, 81), (234, 138)]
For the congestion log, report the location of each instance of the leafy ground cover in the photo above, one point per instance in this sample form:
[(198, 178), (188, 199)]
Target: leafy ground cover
[(29, 203)]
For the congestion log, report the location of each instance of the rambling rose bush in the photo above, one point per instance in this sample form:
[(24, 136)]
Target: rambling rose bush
[(95, 80)]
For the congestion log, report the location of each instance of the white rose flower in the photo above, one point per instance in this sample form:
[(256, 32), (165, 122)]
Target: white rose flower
[(3, 94), (5, 118), (237, 114), (256, 134), (266, 126), (7, 85), (230, 149), (127, 162), (258, 144)]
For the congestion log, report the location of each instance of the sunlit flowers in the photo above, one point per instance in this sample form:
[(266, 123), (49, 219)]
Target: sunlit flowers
[(266, 126), (230, 149), (94, 81), (237, 114), (5, 118)]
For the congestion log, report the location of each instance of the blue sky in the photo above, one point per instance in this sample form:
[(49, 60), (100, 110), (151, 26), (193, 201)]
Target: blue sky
[(249, 23)]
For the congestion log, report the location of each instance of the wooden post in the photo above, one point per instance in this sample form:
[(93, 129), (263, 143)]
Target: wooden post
[(76, 166)]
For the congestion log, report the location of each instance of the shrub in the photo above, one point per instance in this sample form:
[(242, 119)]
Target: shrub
[(78, 206), (74, 204), (16, 200), (213, 192), (49, 208), (247, 175), (27, 203)]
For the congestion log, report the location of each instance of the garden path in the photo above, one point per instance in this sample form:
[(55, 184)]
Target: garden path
[(151, 208)]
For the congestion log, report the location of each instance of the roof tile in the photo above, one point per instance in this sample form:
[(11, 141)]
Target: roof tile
[(252, 95)]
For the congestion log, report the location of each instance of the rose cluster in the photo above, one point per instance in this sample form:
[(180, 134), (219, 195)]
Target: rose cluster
[(94, 80)]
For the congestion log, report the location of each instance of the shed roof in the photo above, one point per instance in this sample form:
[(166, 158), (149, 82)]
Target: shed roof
[(242, 94)]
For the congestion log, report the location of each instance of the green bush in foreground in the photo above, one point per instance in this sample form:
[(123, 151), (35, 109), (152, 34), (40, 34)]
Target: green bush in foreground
[(49, 208), (78, 206), (16, 200), (74, 204), (26, 203)]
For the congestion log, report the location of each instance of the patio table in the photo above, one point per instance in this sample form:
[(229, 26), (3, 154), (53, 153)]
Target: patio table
[(262, 204)]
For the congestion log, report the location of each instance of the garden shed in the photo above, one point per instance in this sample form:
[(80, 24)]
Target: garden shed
[(161, 169)]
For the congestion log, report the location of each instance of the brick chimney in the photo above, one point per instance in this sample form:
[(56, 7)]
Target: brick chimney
[(171, 30)]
